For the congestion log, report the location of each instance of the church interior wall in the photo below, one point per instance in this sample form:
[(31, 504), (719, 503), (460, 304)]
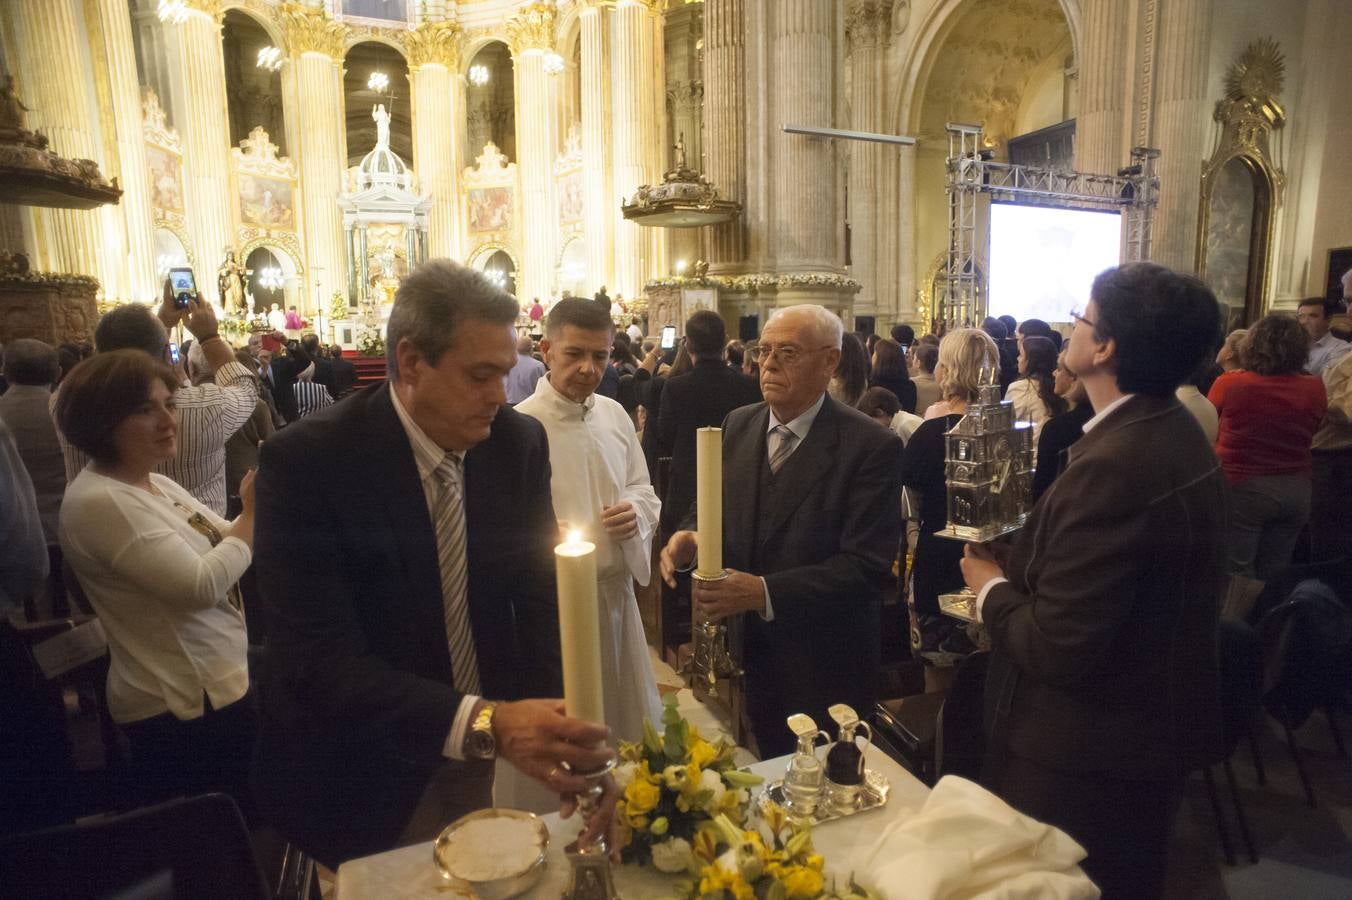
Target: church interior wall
[(1011, 67)]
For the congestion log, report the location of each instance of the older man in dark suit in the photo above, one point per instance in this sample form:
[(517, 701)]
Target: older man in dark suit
[(811, 526), (404, 603), (1102, 692), (701, 398)]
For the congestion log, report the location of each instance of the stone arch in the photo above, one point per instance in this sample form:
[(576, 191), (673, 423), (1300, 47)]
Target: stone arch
[(261, 18), (924, 52), (479, 256)]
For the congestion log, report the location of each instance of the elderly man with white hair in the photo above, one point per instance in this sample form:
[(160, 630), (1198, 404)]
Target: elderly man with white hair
[(811, 526)]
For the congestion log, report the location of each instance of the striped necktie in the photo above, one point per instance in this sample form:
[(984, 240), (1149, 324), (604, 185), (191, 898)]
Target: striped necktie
[(450, 531), (781, 444)]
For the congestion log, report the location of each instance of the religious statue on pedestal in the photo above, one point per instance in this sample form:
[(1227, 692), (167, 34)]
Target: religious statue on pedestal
[(230, 283), (382, 126)]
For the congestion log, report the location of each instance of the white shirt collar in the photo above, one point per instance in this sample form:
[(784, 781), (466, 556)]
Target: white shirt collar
[(801, 425), (427, 453), (563, 405), (1105, 412)]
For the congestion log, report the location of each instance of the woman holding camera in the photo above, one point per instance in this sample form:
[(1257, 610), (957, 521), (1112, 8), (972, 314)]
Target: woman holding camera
[(160, 569)]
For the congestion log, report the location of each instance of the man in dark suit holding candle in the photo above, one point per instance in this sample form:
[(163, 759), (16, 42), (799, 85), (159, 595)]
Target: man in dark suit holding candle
[(421, 589), (811, 527)]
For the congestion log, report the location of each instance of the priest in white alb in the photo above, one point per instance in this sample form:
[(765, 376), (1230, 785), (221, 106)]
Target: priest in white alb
[(601, 489)]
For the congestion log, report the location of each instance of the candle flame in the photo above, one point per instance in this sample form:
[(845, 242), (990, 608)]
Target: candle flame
[(574, 536)]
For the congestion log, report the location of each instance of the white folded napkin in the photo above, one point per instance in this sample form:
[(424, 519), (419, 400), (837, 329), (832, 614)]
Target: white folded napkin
[(965, 842)]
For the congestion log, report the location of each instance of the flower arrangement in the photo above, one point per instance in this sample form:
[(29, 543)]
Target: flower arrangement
[(674, 784), (338, 308), (736, 864), (370, 343)]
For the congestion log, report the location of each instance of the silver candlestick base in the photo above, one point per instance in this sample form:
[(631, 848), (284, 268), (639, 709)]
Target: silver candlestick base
[(590, 878), (711, 659)]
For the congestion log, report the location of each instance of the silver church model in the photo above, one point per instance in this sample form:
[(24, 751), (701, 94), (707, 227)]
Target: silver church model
[(988, 466)]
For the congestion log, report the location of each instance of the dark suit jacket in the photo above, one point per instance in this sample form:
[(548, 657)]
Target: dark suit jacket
[(701, 398), (1104, 640), (357, 696), (824, 538), (324, 375), (344, 376)]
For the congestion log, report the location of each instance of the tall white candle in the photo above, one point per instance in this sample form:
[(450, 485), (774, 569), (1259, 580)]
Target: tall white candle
[(580, 628), (709, 498)]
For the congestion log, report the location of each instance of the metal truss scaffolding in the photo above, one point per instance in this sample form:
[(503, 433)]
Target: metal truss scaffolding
[(1134, 191)]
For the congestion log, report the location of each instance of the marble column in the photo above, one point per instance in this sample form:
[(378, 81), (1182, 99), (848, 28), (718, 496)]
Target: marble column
[(598, 217), (197, 68), (531, 35), (656, 140), (803, 188), (1180, 127), (907, 284), (139, 275), (1105, 79), (314, 42), (724, 125), (433, 62), (49, 36), (629, 83), (864, 20)]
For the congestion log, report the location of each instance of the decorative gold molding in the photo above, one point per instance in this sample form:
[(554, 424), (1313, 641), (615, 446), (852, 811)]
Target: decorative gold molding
[(251, 237), (531, 29), (433, 43), (155, 125), (309, 30), (257, 155)]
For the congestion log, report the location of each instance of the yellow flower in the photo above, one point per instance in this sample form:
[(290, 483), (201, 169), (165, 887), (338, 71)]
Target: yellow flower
[(642, 795), (702, 753), (714, 880), (800, 881)]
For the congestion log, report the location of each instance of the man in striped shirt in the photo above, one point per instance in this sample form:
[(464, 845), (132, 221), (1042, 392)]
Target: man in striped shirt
[(208, 414)]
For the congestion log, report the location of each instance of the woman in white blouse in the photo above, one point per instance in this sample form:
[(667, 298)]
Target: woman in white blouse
[(160, 570), (1034, 394)]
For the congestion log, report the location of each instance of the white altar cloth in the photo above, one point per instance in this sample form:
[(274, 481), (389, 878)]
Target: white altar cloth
[(409, 872)]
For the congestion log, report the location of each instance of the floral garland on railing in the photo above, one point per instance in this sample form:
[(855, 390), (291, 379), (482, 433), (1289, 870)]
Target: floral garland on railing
[(752, 284)]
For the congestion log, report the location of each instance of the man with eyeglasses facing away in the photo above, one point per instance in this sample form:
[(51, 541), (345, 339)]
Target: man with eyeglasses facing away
[(1102, 692), (811, 526)]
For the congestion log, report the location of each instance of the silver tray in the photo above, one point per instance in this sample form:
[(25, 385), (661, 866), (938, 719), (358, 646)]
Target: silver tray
[(872, 794)]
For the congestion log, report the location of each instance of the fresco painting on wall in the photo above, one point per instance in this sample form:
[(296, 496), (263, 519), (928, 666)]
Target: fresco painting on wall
[(265, 201), (166, 180), (490, 209), (571, 203)]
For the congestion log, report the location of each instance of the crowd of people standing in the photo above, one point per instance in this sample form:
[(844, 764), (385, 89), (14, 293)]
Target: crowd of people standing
[(410, 631)]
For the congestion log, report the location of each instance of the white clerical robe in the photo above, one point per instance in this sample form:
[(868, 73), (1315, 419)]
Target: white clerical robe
[(596, 462)]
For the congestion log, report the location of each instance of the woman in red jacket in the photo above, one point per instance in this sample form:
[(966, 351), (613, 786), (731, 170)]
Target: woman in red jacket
[(1269, 411)]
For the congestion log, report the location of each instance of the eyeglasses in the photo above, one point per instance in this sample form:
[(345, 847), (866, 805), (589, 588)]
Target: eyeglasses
[(1076, 317), (788, 354)]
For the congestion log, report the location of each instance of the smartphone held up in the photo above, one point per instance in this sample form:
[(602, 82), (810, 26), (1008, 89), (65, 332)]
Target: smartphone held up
[(183, 286)]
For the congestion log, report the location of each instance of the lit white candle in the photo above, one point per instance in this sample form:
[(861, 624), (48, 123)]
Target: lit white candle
[(580, 628), (709, 498)]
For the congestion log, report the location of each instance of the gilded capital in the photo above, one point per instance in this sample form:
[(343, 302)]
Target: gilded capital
[(531, 29), (310, 30), (433, 43)]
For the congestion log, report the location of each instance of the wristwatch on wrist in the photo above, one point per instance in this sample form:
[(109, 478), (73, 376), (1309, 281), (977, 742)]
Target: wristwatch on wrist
[(479, 740)]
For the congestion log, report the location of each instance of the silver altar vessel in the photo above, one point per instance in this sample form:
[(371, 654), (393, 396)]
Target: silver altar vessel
[(988, 467)]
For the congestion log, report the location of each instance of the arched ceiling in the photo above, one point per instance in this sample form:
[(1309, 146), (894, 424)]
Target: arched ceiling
[(983, 66)]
